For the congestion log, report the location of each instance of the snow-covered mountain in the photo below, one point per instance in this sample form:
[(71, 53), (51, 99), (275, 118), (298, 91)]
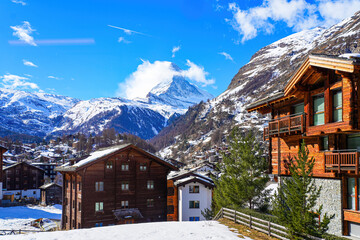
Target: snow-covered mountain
[(142, 117), (41, 114), (268, 71), (31, 113)]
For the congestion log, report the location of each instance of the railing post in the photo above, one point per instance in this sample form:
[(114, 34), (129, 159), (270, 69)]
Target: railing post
[(324, 162), (357, 163), (338, 162), (289, 125)]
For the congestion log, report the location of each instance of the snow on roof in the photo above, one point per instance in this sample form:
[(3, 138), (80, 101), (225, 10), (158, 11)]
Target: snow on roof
[(99, 154), (350, 55), (193, 178), (48, 185)]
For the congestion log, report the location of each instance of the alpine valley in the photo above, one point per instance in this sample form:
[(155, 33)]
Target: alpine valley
[(40, 114)]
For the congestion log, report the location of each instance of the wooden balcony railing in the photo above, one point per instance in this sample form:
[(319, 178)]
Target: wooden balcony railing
[(342, 161), (289, 124)]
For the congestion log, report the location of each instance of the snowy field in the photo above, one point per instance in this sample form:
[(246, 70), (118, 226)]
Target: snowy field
[(147, 231), (21, 216)]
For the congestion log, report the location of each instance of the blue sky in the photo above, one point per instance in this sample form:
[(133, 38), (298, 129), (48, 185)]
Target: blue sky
[(67, 47)]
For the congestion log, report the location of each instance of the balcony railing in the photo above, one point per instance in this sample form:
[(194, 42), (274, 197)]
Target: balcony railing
[(342, 161), (289, 124)]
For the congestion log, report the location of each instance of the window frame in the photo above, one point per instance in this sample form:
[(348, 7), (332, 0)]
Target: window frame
[(124, 167), (125, 188), (150, 185), (109, 165), (192, 189), (194, 204), (150, 202), (99, 207), (99, 186), (318, 96), (143, 167), (336, 108)]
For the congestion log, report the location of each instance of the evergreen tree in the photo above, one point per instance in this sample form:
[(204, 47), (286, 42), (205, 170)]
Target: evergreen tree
[(295, 202), (242, 173)]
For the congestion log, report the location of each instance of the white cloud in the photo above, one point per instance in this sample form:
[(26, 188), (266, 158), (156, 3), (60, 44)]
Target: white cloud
[(174, 50), (226, 55), (28, 63), (11, 81), (23, 32), (297, 14), (148, 75), (123, 40), (128, 31), (57, 42), (53, 77), (19, 2)]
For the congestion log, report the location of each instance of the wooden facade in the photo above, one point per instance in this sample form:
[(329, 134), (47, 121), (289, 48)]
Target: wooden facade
[(22, 176), (327, 90), (99, 188), (2, 151), (51, 193)]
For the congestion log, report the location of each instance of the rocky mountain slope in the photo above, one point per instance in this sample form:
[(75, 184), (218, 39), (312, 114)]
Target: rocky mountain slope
[(268, 71), (41, 114)]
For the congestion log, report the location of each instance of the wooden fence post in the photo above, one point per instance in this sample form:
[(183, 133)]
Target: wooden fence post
[(250, 221), (235, 216), (269, 228)]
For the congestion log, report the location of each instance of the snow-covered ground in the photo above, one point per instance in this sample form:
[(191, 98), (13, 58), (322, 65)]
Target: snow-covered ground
[(149, 231), (21, 216)]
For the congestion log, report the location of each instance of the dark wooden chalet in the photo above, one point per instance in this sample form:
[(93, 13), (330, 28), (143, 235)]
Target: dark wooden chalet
[(116, 185), (22, 176), (2, 151), (319, 105), (51, 193)]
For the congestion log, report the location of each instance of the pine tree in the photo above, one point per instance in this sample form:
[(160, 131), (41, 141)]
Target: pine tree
[(296, 200), (242, 179)]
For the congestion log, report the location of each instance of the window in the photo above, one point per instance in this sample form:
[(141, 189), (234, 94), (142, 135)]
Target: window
[(170, 191), (99, 206), (79, 225), (124, 204), (194, 204), (194, 218), (351, 193), (319, 110), (337, 106), (99, 186), (125, 186), (194, 189), (73, 204), (79, 186), (79, 207), (170, 209), (125, 167), (324, 145), (109, 165), (298, 108), (150, 184), (142, 166), (353, 141), (150, 203), (98, 224)]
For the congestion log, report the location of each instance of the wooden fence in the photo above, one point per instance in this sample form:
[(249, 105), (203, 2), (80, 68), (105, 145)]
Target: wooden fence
[(267, 227), (16, 232)]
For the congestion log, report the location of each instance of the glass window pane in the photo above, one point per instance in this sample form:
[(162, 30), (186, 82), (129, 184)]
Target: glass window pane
[(353, 141), (318, 104), (337, 99), (299, 108), (351, 193), (337, 115), (319, 119)]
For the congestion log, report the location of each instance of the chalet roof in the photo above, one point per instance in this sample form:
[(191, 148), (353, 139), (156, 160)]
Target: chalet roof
[(45, 186), (194, 179), (127, 213), (176, 175), (19, 163), (3, 149), (344, 63), (105, 152)]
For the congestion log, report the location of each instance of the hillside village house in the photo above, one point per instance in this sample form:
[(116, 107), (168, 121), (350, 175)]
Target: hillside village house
[(189, 193), (115, 185), (51, 193), (2, 151), (22, 180), (320, 105)]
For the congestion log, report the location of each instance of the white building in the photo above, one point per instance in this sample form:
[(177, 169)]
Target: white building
[(194, 194)]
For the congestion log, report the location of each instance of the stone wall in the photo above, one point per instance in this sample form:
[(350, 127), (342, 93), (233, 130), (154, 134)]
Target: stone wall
[(330, 198)]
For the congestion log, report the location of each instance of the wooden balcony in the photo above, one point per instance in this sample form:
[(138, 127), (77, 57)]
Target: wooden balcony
[(291, 124), (342, 162)]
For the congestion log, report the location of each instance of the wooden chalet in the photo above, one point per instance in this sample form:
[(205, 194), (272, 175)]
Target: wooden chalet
[(2, 151), (319, 105), (116, 185), (51, 193)]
